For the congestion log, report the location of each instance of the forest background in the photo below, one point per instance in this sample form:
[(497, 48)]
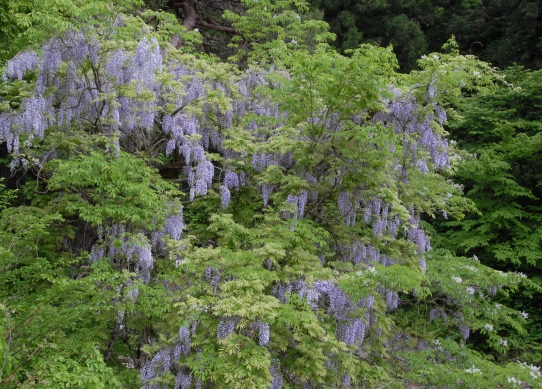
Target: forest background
[(277, 194)]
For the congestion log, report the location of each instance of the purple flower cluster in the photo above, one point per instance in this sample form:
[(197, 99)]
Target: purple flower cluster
[(277, 377), (406, 117), (351, 332), (492, 290), (21, 63), (135, 248), (263, 333), (267, 189), (299, 202), (183, 381), (231, 180), (226, 327), (184, 339), (436, 313), (261, 161), (212, 276), (225, 196), (465, 331), (346, 381), (203, 178), (173, 227), (339, 303), (281, 291), (417, 235), (158, 365), (392, 300), (361, 253)]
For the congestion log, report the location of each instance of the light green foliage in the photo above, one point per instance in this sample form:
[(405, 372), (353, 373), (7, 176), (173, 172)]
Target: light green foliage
[(108, 188), (55, 310), (299, 339), (452, 364), (25, 23), (270, 29)]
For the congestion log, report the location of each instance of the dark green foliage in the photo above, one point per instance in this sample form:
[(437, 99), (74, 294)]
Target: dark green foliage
[(503, 134), (500, 32), (55, 308), (502, 176)]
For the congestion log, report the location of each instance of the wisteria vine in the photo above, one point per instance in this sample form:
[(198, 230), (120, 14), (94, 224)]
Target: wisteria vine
[(121, 92)]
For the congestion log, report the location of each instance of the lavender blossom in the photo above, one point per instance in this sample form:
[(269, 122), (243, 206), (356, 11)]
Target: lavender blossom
[(351, 332), (21, 63), (225, 196), (339, 303), (301, 203), (263, 334), (231, 180), (226, 327), (267, 189), (52, 57), (184, 338), (175, 224), (183, 381), (277, 377), (346, 381), (392, 300), (259, 161), (281, 291), (465, 331), (492, 290)]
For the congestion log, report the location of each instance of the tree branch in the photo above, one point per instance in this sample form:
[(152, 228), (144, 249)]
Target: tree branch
[(219, 27)]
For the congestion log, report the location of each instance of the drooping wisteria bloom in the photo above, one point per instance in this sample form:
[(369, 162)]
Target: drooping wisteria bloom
[(225, 196), (351, 331), (492, 290), (226, 327), (263, 333), (465, 331), (158, 365), (281, 291), (175, 224), (183, 381), (339, 303), (301, 203), (277, 377), (184, 338), (21, 63), (231, 180), (267, 189)]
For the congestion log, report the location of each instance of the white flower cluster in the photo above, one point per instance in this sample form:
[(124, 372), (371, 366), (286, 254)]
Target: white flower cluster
[(488, 327), (534, 370), (457, 279), (513, 380), (473, 370), (437, 345)]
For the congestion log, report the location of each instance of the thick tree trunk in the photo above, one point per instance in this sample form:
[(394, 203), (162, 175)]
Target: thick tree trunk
[(190, 20)]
